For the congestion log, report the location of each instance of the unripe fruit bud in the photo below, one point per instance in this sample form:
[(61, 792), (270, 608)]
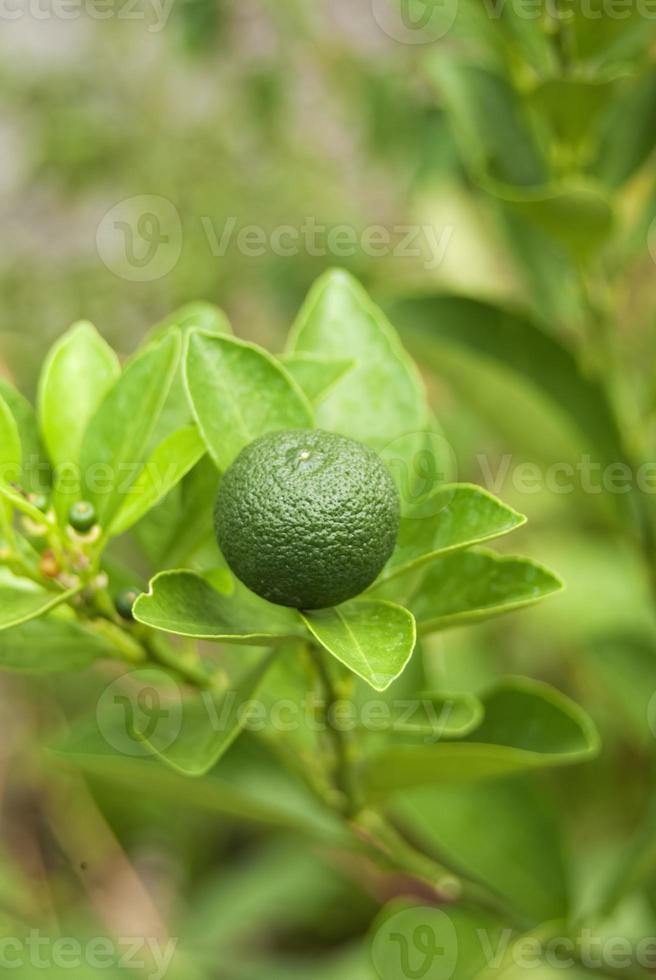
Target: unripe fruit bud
[(82, 516)]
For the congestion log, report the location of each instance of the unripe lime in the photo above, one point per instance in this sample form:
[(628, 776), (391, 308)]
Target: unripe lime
[(82, 516), (307, 518), (125, 601)]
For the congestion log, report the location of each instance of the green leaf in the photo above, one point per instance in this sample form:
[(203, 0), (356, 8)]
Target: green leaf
[(193, 316), (77, 374), (179, 525), (490, 123), (427, 715), (473, 585), (573, 105), (628, 132), (210, 722), (168, 464), (578, 216), (50, 645), (516, 342), (374, 639), (115, 442), (11, 453), (382, 397), (316, 374), (520, 855), (528, 725), (450, 518), (185, 603), (238, 391), (35, 475), (21, 600)]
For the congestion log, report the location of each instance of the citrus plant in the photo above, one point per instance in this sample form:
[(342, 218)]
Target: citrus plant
[(343, 545)]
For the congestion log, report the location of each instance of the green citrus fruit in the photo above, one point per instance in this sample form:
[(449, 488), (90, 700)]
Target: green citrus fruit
[(125, 601), (307, 518), (82, 516)]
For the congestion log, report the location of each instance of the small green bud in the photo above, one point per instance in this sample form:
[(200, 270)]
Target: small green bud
[(40, 501), (125, 601), (82, 516)]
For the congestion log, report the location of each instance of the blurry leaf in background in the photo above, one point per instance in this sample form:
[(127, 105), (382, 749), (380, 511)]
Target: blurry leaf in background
[(504, 833), (11, 452), (519, 343), (49, 645), (238, 392), (22, 600), (491, 126), (527, 725), (628, 132), (206, 722), (35, 469)]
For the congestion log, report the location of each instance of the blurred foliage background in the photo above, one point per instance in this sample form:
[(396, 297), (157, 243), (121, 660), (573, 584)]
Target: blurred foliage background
[(520, 138)]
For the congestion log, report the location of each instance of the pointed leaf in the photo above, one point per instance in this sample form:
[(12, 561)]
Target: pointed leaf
[(238, 391), (374, 639), (382, 398), (185, 603), (35, 470), (474, 585), (11, 453), (115, 443), (50, 645), (77, 374), (449, 519), (528, 725), (21, 600), (168, 464), (193, 316), (316, 374), (210, 722)]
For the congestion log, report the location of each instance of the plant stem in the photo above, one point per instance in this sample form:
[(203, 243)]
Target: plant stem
[(341, 741), (161, 653)]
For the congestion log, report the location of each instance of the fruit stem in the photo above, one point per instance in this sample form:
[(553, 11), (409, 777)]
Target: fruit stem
[(341, 741)]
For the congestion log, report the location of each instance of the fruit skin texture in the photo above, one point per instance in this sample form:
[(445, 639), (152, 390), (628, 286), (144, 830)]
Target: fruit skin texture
[(307, 518)]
